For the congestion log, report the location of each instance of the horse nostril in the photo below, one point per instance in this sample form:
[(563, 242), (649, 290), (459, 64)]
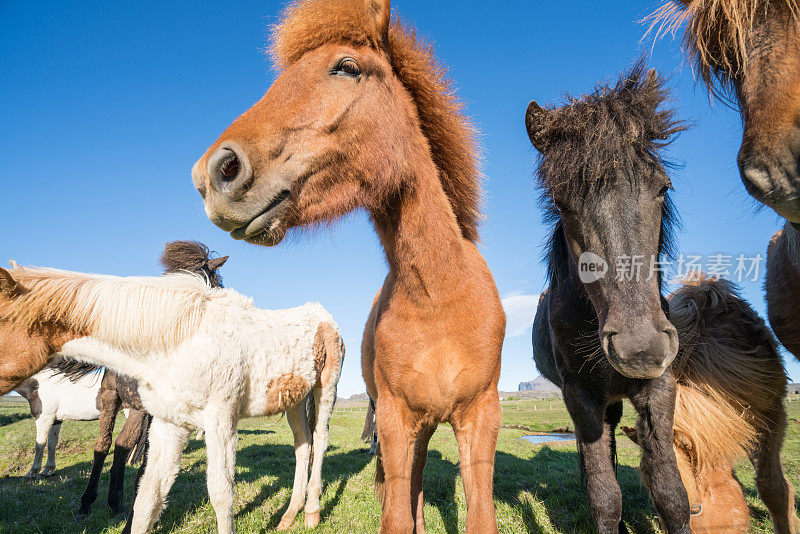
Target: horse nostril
[(230, 168)]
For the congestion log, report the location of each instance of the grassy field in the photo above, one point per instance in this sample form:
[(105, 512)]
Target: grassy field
[(537, 487)]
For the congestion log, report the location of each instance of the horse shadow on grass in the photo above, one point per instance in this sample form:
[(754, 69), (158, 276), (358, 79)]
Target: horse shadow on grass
[(553, 479), (11, 418), (253, 463)]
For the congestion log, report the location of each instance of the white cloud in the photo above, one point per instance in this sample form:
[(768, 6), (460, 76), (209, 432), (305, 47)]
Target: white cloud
[(520, 310)]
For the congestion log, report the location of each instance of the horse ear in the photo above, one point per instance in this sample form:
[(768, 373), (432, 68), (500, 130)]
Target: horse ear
[(380, 12), (631, 433), (535, 118), (8, 286), (216, 263)]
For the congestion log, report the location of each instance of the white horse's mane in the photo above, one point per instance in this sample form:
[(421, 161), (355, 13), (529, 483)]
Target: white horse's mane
[(138, 313)]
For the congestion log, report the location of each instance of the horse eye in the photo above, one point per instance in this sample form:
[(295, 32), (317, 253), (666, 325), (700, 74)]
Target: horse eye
[(663, 192), (348, 66), (560, 206)]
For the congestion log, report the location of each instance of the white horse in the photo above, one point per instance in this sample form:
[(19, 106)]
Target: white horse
[(54, 398), (203, 357)]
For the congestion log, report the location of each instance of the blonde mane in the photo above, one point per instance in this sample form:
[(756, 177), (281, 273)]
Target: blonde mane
[(309, 24), (139, 313), (717, 32), (728, 372)]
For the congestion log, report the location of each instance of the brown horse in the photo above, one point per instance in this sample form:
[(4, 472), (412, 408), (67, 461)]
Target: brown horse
[(729, 405), (750, 49), (716, 498), (362, 116), (783, 286)]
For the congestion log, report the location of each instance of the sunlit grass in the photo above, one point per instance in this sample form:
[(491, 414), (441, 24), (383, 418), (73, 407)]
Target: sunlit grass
[(537, 488)]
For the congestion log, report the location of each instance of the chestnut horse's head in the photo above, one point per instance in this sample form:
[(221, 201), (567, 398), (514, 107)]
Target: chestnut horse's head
[(357, 105), (605, 187), (715, 496), (752, 49)]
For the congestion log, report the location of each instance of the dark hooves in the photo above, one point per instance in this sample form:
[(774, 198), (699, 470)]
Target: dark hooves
[(81, 517)]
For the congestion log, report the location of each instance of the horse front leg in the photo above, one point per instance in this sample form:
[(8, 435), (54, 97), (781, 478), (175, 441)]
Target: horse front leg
[(123, 446), (109, 406), (140, 472), (593, 434), (43, 424), (165, 444), (221, 439), (52, 443), (396, 437), (654, 400), (476, 428), (417, 469)]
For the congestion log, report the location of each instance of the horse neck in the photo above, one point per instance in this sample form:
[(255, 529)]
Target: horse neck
[(26, 389), (424, 246), (792, 233), (563, 274)]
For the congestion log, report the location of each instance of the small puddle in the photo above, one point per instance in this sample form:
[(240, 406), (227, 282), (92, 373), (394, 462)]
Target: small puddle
[(538, 439)]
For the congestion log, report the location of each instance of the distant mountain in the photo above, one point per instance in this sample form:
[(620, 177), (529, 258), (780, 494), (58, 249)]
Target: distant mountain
[(539, 385)]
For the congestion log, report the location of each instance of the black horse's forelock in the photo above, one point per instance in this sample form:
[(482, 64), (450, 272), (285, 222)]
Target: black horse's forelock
[(612, 131), (592, 141)]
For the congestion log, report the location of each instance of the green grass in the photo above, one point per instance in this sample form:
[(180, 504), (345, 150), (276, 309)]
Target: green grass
[(537, 488)]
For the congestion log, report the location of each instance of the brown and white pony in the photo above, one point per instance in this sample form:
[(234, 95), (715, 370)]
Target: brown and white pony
[(750, 49), (363, 117), (729, 405), (118, 391)]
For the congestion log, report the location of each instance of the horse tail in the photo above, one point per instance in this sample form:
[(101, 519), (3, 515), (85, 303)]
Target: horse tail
[(311, 411), (328, 360), (728, 370), (369, 422), (137, 454)]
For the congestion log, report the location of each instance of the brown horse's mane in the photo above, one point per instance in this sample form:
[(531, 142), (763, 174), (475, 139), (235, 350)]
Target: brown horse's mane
[(178, 256), (309, 24), (717, 32)]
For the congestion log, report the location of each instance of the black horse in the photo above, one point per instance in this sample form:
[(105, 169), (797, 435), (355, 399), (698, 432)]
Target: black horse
[(601, 331)]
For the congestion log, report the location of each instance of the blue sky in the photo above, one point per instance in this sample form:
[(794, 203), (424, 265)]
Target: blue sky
[(106, 106)]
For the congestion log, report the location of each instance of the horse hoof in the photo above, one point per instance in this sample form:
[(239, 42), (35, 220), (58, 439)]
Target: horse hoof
[(284, 525), (81, 518), (47, 473), (312, 519)]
